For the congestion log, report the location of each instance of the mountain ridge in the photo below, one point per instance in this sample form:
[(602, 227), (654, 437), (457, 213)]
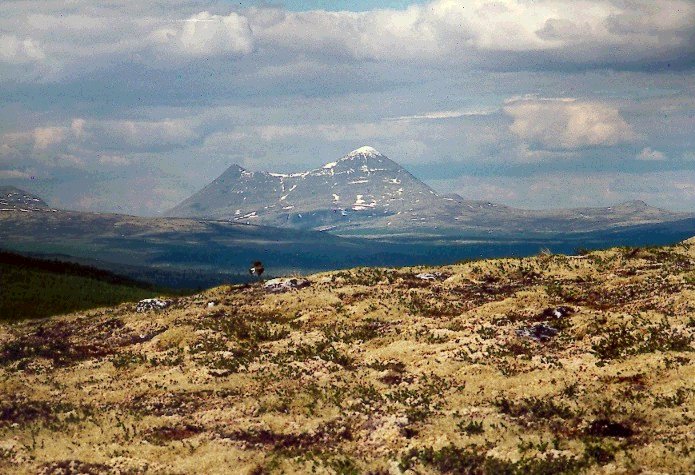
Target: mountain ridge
[(365, 192), (16, 199)]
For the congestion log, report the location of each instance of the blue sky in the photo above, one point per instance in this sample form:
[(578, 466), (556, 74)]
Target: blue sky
[(132, 106)]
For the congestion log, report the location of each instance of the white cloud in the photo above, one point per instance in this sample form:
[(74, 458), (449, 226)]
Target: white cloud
[(134, 134), (447, 114), (498, 34), (44, 137), (206, 34), (15, 50), (77, 127), (649, 153), (480, 30), (109, 159), (567, 124)]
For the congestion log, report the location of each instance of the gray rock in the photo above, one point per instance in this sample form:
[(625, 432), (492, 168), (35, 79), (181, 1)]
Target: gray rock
[(284, 285), (431, 276), (148, 305), (539, 332)]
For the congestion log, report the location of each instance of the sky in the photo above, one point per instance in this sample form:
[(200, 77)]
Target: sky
[(129, 106)]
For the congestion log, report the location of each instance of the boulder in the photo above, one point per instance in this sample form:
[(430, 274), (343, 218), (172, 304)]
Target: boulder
[(285, 285), (152, 304), (539, 332), (431, 276)]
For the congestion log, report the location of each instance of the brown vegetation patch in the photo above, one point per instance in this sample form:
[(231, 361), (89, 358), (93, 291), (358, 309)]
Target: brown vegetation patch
[(165, 434), (325, 437), (67, 343), (169, 404), (77, 467)]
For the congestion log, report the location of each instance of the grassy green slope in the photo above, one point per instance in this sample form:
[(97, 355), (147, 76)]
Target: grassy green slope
[(33, 288)]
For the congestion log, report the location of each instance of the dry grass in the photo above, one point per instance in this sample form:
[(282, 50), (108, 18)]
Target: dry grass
[(371, 371)]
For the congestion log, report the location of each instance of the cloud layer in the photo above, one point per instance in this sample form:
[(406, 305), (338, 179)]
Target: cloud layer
[(94, 94), (501, 34)]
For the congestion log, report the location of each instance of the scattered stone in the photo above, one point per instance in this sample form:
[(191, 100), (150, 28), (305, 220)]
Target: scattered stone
[(285, 285), (539, 332), (430, 276), (211, 303), (152, 304)]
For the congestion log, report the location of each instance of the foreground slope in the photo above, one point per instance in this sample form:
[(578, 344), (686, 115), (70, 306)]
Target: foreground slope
[(540, 365)]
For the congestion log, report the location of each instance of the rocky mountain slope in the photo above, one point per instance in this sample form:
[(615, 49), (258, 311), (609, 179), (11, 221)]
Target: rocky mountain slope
[(360, 186), (541, 365), (14, 199), (367, 193)]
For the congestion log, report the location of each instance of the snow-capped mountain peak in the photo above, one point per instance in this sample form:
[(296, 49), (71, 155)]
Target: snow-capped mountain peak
[(364, 184), (366, 152)]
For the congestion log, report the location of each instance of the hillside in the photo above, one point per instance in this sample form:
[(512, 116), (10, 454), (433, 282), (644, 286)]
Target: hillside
[(35, 288), (193, 253), (365, 193), (549, 364), (184, 253)]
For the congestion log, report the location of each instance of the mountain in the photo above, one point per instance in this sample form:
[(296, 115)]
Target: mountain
[(359, 187), (14, 199), (366, 193)]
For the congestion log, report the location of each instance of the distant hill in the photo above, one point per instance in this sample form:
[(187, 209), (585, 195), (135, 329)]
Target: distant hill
[(366, 193), (35, 288), (195, 253)]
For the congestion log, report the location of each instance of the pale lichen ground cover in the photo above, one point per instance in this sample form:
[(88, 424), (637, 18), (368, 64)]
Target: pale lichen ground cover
[(371, 371)]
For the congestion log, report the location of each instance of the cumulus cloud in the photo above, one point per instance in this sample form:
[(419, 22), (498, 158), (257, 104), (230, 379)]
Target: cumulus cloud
[(497, 34), (567, 124), (649, 153), (331, 132), (491, 33), (140, 135), (205, 34), (109, 159), (16, 50)]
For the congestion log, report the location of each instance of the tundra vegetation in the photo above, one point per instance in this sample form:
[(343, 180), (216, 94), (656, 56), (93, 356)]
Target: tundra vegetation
[(549, 364)]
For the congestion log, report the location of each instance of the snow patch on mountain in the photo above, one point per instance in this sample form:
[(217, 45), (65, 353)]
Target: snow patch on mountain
[(365, 151)]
